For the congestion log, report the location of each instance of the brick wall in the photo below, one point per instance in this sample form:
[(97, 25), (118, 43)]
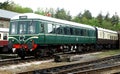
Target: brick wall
[(4, 23)]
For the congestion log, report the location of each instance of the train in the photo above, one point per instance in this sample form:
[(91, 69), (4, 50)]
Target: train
[(33, 34), (4, 32)]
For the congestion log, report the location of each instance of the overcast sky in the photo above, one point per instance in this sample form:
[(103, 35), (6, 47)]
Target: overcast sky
[(74, 6)]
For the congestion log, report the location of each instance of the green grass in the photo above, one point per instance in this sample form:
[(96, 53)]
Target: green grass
[(108, 53)]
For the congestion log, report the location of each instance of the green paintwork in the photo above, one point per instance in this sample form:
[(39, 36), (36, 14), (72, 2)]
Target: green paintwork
[(54, 39)]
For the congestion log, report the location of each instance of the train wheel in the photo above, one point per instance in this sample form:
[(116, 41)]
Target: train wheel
[(38, 53), (21, 53), (5, 49), (79, 49)]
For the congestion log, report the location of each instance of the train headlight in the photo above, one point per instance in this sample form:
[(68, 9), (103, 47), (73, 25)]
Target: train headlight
[(12, 40)]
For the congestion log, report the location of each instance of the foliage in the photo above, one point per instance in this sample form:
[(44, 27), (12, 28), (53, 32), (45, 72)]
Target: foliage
[(84, 18), (11, 6), (62, 14)]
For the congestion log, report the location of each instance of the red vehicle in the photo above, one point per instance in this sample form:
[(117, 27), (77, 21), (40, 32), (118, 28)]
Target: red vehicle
[(3, 39)]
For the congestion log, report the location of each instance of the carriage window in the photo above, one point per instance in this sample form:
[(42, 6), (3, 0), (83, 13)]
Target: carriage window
[(50, 28), (59, 29), (5, 36), (67, 31), (0, 36), (71, 31)]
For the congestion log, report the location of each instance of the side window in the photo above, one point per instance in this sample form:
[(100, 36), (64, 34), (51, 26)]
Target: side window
[(51, 28), (59, 29), (0, 36), (71, 31), (68, 31), (82, 32), (76, 31), (4, 36), (65, 30)]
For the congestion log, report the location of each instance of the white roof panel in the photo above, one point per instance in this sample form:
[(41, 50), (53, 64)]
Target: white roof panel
[(106, 30), (36, 16)]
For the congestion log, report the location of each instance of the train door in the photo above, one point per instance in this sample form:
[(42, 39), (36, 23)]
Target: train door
[(42, 33), (50, 36)]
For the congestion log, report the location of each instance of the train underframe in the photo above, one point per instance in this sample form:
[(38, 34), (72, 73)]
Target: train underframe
[(48, 50)]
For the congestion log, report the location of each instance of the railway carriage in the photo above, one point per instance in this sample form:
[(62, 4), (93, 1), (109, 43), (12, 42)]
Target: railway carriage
[(106, 38), (3, 39), (41, 35)]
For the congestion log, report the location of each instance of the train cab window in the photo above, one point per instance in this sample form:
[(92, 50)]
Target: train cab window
[(13, 28), (23, 27), (32, 27)]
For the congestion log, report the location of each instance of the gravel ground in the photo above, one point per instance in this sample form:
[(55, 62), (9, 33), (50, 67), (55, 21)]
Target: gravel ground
[(24, 67)]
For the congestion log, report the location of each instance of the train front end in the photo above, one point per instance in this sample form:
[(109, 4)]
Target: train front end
[(23, 35)]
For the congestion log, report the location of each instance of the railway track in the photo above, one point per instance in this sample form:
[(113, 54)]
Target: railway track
[(79, 68), (4, 62), (17, 60)]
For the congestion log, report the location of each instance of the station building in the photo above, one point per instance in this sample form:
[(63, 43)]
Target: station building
[(5, 17)]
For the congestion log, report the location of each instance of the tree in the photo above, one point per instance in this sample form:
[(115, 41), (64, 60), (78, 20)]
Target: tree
[(62, 14), (87, 14), (115, 19), (100, 18), (107, 18), (78, 18), (40, 11), (11, 6), (4, 5)]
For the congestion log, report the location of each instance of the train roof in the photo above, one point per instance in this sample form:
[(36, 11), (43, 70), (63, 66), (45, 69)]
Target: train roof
[(106, 30), (36, 16), (4, 29)]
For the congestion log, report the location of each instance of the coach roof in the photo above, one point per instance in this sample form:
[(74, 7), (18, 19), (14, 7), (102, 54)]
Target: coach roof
[(106, 30), (36, 16)]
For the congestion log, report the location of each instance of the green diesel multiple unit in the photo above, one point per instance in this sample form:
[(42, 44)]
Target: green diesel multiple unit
[(32, 33)]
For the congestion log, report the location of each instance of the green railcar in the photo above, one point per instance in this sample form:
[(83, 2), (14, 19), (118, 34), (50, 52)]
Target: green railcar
[(33, 33)]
